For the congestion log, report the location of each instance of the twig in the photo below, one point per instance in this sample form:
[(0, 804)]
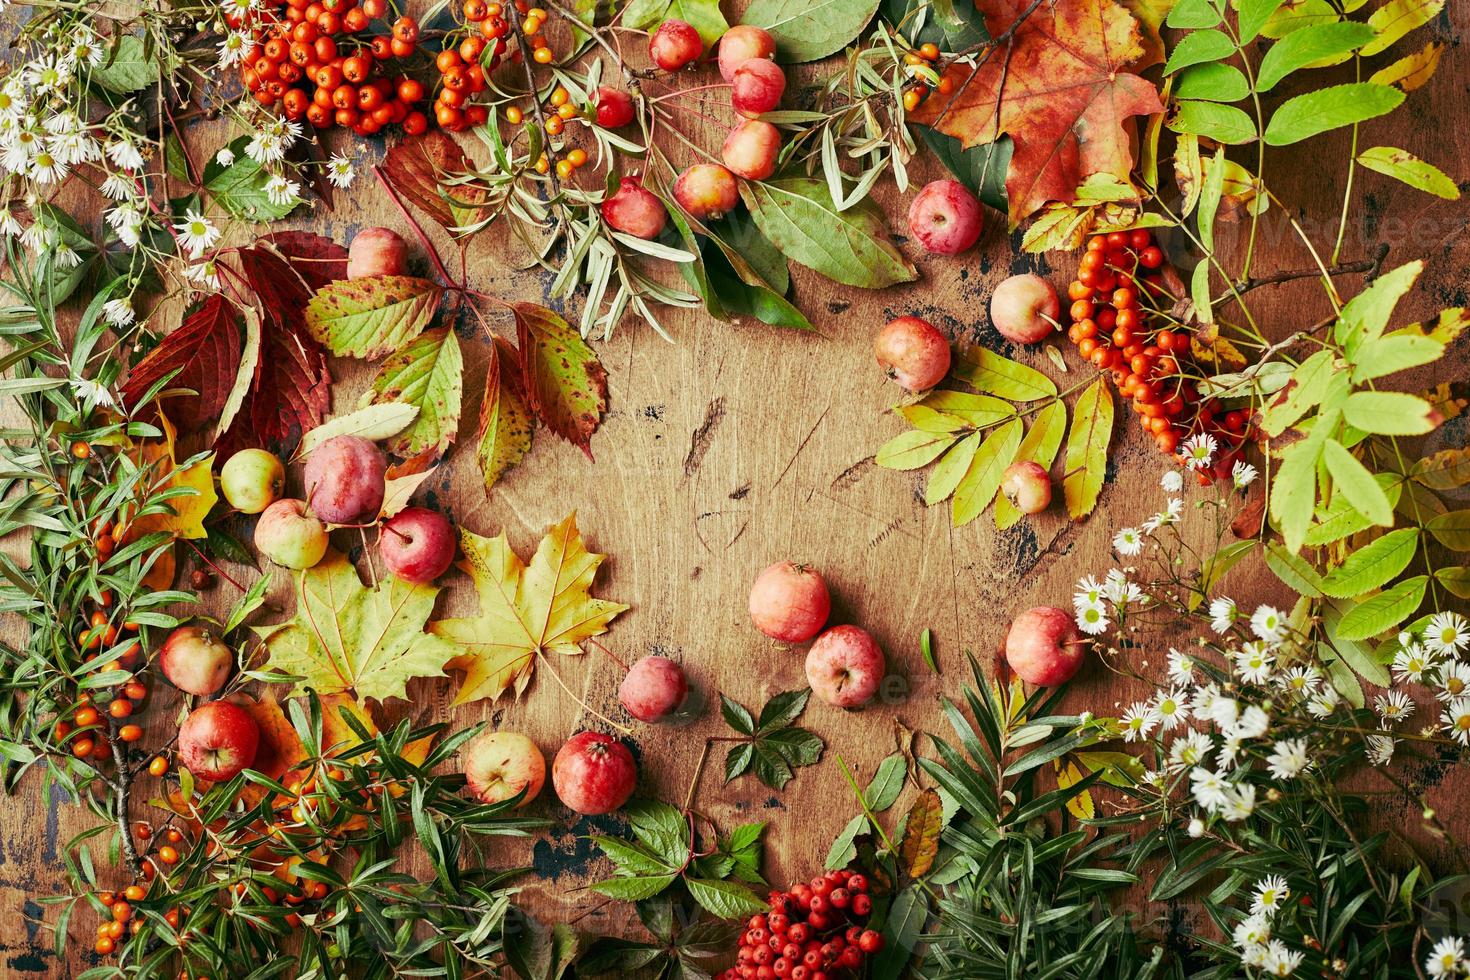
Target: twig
[(122, 784), (1369, 267), (526, 62)]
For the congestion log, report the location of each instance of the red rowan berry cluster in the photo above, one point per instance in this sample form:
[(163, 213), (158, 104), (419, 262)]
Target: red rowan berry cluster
[(815, 931), (1111, 328)]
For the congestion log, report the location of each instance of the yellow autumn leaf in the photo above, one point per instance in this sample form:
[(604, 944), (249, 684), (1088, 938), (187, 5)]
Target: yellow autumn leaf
[(187, 520), (1081, 805), (525, 610)]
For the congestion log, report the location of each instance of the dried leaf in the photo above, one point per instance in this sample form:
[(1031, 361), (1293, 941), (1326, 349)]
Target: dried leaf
[(189, 512), (565, 383), (369, 317), (921, 833), (205, 350), (415, 167), (399, 490), (375, 422)]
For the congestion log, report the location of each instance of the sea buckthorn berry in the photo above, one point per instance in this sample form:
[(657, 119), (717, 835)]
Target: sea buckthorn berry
[(543, 56), (929, 52), (130, 733), (158, 766)]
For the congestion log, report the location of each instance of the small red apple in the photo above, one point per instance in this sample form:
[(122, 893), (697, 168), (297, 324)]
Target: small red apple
[(757, 87), (741, 43), (218, 740), (1024, 308), (376, 252), (789, 602), (675, 44), (289, 536), (498, 765), (912, 352), (195, 660), (945, 217), (751, 149), (1027, 485), (417, 544), (614, 107), (1044, 646), (594, 773), (653, 689), (634, 210), (346, 480), (845, 666)]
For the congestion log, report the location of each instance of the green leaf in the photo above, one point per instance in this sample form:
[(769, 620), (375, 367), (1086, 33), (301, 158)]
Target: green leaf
[(1384, 611), (1213, 82), (1398, 352), (980, 168), (1456, 579), (127, 67), (737, 716), (370, 317), (913, 449), (240, 187), (1306, 388), (371, 422), (887, 783), (1451, 529), (1389, 413), (1353, 480), (1193, 14), (740, 297), (1324, 109), (1040, 446), (738, 760), (1356, 654), (633, 889), (1198, 47), (1294, 491), (1341, 518), (950, 470), (1366, 315), (977, 410), (1252, 16), (806, 30), (566, 385), (703, 15), (902, 930), (986, 371), (981, 481), (1371, 567), (844, 846), (783, 709), (503, 436), (1087, 449), (1396, 18), (926, 419), (1307, 46), (1205, 213), (851, 247), (634, 860), (1403, 166), (427, 373), (1222, 123), (662, 828), (724, 899)]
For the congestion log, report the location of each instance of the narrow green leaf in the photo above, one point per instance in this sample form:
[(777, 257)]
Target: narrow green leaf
[(981, 481), (1384, 611), (1370, 567), (1087, 449), (1353, 480), (1324, 109), (913, 449), (1304, 47), (1403, 166)]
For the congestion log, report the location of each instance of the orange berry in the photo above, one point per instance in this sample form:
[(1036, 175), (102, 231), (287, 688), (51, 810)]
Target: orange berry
[(543, 56), (559, 96), (136, 690), (566, 111), (513, 115), (130, 733), (121, 911), (577, 157), (158, 766), (104, 945), (168, 855), (81, 450), (174, 835), (134, 893), (120, 708), (929, 52), (106, 898), (143, 831), (564, 169), (87, 717), (554, 124)]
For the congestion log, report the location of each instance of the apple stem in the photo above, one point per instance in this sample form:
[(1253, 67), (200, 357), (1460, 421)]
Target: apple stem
[(585, 706), (217, 570), (372, 570), (1049, 319)]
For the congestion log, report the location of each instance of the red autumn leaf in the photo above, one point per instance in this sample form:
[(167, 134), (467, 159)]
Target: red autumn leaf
[(205, 350), (316, 258), (1059, 88), (566, 384), (414, 167)]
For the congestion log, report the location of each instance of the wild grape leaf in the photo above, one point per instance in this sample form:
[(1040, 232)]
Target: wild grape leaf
[(316, 258), (347, 637), (427, 373), (566, 384), (415, 168), (372, 316), (525, 610), (205, 350), (1060, 89), (773, 745), (506, 422)]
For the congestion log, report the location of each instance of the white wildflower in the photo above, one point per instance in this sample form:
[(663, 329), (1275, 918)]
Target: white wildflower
[(1172, 481), (1252, 723), (1447, 634), (1222, 614), (118, 312), (1447, 958), (1242, 474), (1138, 722), (1199, 450), (1456, 719), (1089, 592), (282, 192), (1242, 803), (1281, 961), (1301, 681), (1324, 702), (1181, 667), (1254, 663), (1092, 620), (1393, 706), (196, 233), (1209, 788), (1454, 680), (1269, 623), (1196, 828), (1288, 758), (1128, 541), (235, 48), (206, 273), (1253, 930), (340, 171), (1189, 750), (1380, 749), (225, 157), (1411, 663), (1172, 708)]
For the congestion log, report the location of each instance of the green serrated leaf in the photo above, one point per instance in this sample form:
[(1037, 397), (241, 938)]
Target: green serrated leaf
[(1087, 449), (806, 30), (1329, 108), (981, 482), (1370, 567), (1384, 611), (373, 316), (428, 373)]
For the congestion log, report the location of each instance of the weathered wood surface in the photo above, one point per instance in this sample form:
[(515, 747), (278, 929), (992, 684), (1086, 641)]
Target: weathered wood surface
[(735, 446)]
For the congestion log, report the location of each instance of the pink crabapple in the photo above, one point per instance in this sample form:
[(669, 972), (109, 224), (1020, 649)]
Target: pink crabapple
[(1027, 485), (1044, 646), (635, 211), (1024, 308), (376, 252), (845, 666), (757, 87), (789, 602), (195, 660), (912, 352), (707, 191), (614, 107), (751, 148), (499, 765), (945, 217), (290, 536), (740, 44), (417, 544), (674, 44), (653, 689), (594, 773), (346, 480), (218, 740)]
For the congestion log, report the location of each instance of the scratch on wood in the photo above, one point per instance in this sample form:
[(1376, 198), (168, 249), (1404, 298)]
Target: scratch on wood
[(895, 526), (700, 440), (817, 424), (740, 492), (852, 474)]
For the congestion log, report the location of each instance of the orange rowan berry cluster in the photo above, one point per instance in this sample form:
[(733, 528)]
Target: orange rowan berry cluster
[(463, 65)]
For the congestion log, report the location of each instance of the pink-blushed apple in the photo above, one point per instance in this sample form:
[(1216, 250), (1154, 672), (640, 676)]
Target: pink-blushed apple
[(945, 217), (741, 43), (912, 352), (653, 689), (757, 87), (614, 107), (417, 544), (845, 666), (252, 480), (707, 191), (1027, 485), (498, 765), (289, 536), (1024, 308), (635, 211), (789, 602), (376, 252), (195, 660), (751, 148), (594, 773), (674, 44), (346, 479), (218, 740), (1044, 646)]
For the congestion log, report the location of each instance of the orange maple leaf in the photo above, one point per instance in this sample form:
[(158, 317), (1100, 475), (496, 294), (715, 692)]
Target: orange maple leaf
[(1058, 87)]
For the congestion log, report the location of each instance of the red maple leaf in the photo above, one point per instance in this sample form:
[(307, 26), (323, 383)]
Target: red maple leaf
[(1058, 87), (205, 350)]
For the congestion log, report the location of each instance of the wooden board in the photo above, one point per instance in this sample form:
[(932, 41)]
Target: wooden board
[(736, 446)]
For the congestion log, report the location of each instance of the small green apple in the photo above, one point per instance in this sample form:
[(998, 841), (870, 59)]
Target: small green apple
[(252, 480), (289, 536)]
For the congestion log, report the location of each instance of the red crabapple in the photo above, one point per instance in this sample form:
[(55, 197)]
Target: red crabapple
[(594, 773), (674, 45), (750, 149), (417, 544), (1044, 646), (614, 107), (1024, 308), (845, 666), (499, 765), (634, 210), (346, 480), (218, 740), (789, 602), (1027, 485), (376, 252), (912, 352), (195, 660), (653, 689), (757, 87), (945, 217), (741, 43), (707, 191)]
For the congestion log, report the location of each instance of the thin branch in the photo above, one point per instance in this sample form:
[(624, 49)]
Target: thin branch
[(1369, 268)]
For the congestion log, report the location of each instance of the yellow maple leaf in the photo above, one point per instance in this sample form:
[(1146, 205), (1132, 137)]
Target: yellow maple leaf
[(189, 510), (543, 607)]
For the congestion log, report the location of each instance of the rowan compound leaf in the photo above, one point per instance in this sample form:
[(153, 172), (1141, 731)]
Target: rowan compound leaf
[(1411, 71), (1403, 166), (982, 480), (525, 610), (1087, 449), (348, 638), (565, 383), (427, 373), (372, 316), (506, 422), (1062, 91), (205, 351)]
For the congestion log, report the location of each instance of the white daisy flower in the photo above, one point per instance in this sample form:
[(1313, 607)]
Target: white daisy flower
[(1138, 722), (196, 233), (48, 75), (116, 187), (282, 192), (1172, 481), (236, 48), (64, 257), (1393, 707), (85, 50), (47, 167), (1254, 663), (1222, 614), (127, 220), (225, 157), (1189, 750), (1281, 961), (1092, 620), (123, 153), (1447, 958), (75, 148), (1269, 623), (1230, 751), (1301, 681), (1252, 723), (1169, 515), (1115, 587), (1242, 474), (118, 312), (1210, 703), (1453, 681), (1196, 828), (340, 171), (1198, 450), (13, 101), (205, 273), (1242, 803), (1089, 592), (1447, 634), (92, 393), (9, 226), (1411, 663), (1128, 541), (1181, 667), (1172, 708), (1209, 788), (1324, 702), (1380, 749), (1456, 718), (1253, 930), (266, 148), (1256, 956), (1288, 758)]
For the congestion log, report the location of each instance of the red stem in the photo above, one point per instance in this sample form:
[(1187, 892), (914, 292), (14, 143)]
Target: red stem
[(218, 571)]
